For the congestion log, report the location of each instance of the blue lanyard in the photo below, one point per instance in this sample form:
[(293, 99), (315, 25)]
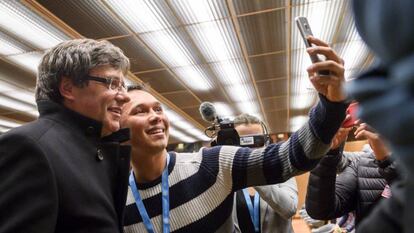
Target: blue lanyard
[(254, 213), (165, 201)]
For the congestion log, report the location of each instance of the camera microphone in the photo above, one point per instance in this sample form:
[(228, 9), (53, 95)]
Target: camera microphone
[(222, 129), (208, 112)]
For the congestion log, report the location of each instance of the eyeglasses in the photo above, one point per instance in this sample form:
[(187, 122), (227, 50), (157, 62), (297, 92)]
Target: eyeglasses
[(112, 82)]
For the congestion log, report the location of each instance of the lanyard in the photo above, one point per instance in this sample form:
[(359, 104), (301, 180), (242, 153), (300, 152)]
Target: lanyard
[(165, 201), (254, 213)]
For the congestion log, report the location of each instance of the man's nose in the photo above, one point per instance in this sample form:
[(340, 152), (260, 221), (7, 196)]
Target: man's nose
[(122, 96), (154, 116)]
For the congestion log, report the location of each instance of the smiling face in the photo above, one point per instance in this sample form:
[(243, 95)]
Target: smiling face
[(98, 102), (148, 123)]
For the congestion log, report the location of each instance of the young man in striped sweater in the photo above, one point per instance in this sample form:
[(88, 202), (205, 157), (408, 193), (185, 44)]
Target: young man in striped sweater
[(193, 192)]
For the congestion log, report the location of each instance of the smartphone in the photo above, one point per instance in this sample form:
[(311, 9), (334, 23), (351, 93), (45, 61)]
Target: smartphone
[(305, 31), (352, 111)]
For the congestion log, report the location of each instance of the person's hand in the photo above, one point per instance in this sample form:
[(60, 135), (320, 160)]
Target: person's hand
[(340, 137), (378, 146), (331, 86)]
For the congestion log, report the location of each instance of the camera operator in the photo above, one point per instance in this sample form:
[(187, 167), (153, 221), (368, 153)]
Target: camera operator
[(266, 208)]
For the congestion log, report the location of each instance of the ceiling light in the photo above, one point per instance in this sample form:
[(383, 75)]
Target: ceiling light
[(303, 94), (143, 16), (302, 85), (354, 54), (128, 81), (4, 129), (194, 77), (216, 40), (180, 136), (14, 104), (303, 101), (28, 61), (5, 122), (223, 110), (22, 95), (6, 86), (248, 107), (301, 62), (168, 43), (16, 92), (17, 19), (297, 122), (214, 35), (147, 16), (323, 17), (196, 11), (233, 75), (198, 134), (169, 47), (231, 72), (172, 116), (178, 122), (240, 92), (10, 46), (182, 124)]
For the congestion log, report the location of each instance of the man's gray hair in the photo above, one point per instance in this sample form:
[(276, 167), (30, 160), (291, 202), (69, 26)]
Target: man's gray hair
[(74, 59), (246, 119)]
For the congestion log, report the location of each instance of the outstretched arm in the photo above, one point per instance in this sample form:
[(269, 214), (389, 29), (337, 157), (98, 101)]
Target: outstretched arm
[(244, 167), (330, 196)]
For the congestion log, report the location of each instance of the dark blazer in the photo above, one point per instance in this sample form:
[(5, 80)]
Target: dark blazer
[(58, 175)]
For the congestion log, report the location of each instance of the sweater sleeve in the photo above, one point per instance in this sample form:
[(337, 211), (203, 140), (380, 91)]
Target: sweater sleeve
[(388, 169), (244, 167), (29, 197), (330, 196)]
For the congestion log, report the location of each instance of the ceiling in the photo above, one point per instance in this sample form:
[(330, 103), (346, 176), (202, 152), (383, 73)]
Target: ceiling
[(241, 55)]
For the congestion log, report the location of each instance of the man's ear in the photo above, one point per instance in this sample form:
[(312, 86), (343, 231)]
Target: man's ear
[(66, 88)]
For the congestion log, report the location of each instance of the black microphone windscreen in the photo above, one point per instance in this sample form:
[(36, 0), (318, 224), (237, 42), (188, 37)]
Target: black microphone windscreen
[(208, 111)]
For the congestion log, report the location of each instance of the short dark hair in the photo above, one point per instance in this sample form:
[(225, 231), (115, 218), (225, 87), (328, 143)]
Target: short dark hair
[(138, 87), (74, 59)]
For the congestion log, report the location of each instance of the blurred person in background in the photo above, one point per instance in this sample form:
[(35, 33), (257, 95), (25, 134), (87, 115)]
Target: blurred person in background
[(362, 183), (385, 94), (66, 171), (268, 208)]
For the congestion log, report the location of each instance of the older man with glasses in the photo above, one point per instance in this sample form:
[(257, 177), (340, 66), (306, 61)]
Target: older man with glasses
[(66, 171)]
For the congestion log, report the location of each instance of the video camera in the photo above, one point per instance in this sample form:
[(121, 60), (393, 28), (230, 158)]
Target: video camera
[(223, 131)]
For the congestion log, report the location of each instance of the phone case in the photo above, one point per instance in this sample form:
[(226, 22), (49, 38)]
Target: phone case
[(305, 31)]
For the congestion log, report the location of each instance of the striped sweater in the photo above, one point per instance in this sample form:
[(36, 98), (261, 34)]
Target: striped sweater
[(202, 183)]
